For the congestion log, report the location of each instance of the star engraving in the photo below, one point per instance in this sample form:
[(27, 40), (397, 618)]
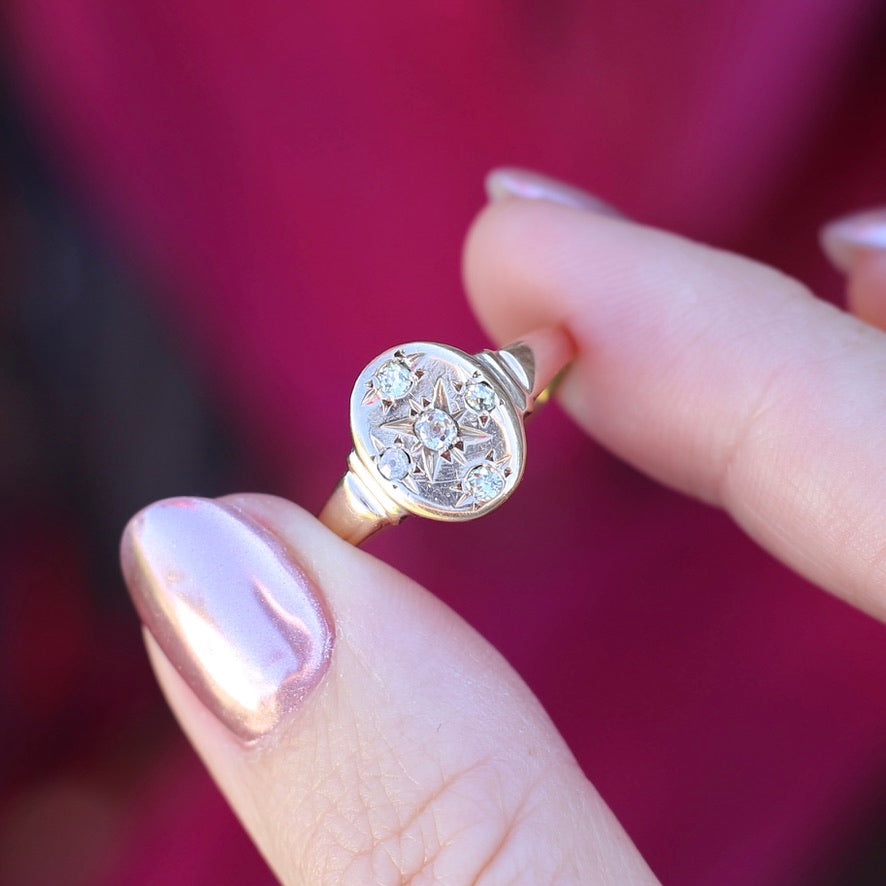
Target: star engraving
[(434, 431)]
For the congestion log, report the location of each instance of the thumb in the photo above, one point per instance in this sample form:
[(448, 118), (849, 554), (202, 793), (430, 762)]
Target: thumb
[(362, 732)]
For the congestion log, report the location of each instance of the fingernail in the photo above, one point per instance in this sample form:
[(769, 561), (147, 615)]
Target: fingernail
[(845, 238), (232, 610), (509, 181)]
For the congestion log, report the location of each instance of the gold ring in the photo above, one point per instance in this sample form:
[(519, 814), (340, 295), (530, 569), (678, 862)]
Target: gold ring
[(439, 433)]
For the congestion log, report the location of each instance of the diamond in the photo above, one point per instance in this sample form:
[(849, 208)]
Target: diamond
[(436, 429), (394, 379), (394, 463), (480, 397), (483, 482)]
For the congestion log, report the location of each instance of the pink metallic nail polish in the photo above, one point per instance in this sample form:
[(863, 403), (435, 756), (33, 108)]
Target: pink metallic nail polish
[(231, 609), (843, 238), (509, 181)]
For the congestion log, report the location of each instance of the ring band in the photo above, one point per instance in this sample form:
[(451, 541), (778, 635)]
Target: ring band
[(439, 433)]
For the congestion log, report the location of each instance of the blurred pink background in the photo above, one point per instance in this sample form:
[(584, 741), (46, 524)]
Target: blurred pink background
[(289, 188)]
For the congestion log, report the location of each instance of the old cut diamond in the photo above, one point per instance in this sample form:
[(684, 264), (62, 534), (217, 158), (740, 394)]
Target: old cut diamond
[(436, 429), (394, 379), (394, 463), (484, 482), (480, 397)]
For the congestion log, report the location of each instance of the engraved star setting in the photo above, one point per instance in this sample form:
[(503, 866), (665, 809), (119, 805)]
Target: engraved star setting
[(438, 418), (438, 432), (435, 431)]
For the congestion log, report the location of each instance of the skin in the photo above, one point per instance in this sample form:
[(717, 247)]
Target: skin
[(422, 757)]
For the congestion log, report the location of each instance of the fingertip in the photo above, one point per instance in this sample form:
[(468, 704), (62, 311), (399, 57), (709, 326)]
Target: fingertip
[(503, 239), (483, 276)]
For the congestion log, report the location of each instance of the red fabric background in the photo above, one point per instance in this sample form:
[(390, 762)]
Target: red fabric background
[(301, 179)]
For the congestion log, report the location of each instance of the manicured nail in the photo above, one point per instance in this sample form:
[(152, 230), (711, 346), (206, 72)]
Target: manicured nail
[(845, 238), (229, 606), (509, 181)]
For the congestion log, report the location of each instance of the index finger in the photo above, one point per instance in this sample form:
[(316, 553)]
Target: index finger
[(717, 375)]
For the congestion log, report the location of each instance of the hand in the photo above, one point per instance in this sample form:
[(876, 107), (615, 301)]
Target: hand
[(407, 750)]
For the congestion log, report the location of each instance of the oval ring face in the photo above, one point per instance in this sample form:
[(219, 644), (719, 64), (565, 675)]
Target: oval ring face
[(435, 429)]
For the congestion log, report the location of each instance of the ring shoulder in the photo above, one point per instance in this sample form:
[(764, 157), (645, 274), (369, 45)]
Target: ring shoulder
[(359, 507)]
